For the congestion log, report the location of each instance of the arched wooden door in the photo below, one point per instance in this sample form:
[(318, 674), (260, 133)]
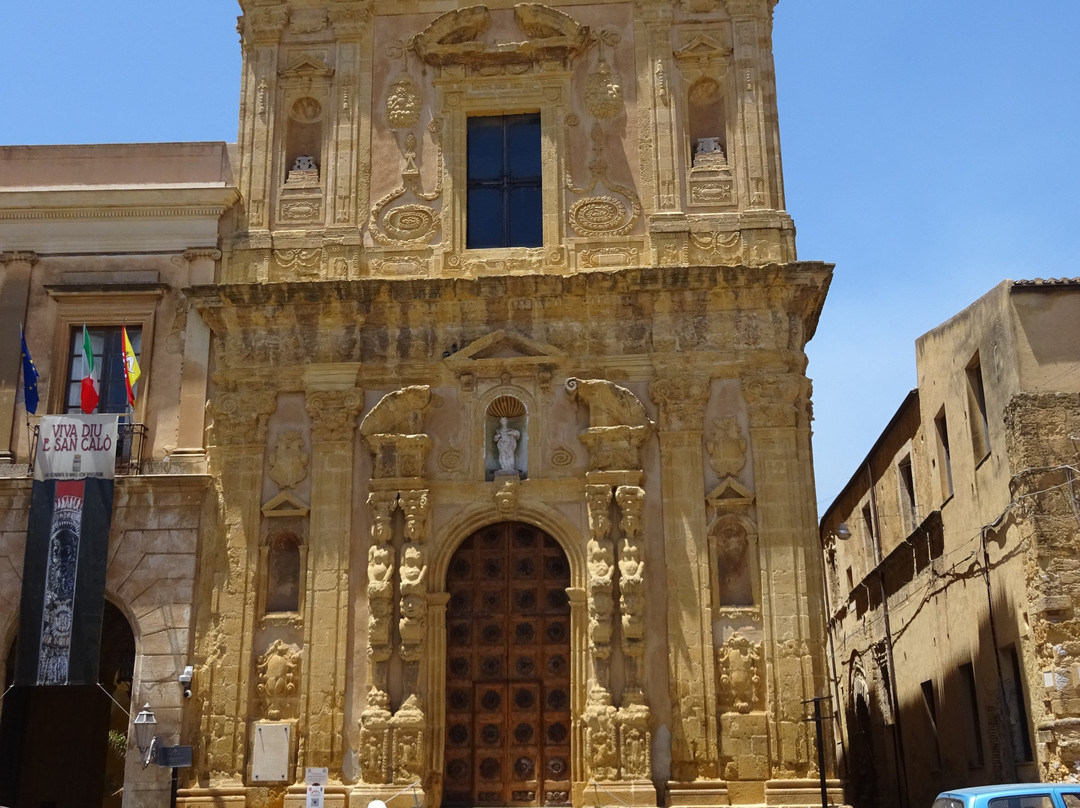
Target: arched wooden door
[(508, 670)]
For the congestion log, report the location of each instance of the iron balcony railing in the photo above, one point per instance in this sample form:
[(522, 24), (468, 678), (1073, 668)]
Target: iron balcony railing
[(130, 439)]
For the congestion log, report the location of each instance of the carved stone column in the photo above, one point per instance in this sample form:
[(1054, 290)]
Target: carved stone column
[(14, 294), (194, 372), (237, 448), (681, 403), (408, 722), (333, 421), (600, 740), (790, 566)]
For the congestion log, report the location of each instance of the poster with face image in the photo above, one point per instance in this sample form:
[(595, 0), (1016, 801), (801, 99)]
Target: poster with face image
[(67, 544)]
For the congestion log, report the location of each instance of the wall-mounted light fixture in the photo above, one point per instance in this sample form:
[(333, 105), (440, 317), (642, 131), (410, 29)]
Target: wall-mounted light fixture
[(145, 734)]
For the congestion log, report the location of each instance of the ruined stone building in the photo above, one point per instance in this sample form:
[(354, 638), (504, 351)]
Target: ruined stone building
[(951, 562), (473, 445)]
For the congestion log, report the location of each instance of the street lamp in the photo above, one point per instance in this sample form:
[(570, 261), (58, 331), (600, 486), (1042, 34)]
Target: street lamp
[(145, 737)]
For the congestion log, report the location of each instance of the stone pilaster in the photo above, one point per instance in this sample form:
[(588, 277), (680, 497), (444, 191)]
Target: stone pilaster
[(195, 370), (333, 414), (15, 270), (351, 22), (791, 575), (681, 403), (237, 449)]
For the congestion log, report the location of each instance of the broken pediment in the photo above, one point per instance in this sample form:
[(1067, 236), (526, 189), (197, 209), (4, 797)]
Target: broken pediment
[(730, 494), (285, 504), (609, 404), (503, 345), (307, 66), (700, 47), (453, 37), (400, 412)]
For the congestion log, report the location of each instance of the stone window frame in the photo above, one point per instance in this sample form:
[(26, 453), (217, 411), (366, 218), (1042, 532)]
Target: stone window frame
[(544, 92), (108, 308)]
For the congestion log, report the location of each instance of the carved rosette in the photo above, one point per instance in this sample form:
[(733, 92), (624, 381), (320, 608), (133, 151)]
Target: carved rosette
[(681, 402), (740, 668), (333, 414), (774, 401), (601, 574), (278, 671), (240, 418)]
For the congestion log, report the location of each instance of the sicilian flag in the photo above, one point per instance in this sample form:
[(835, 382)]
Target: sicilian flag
[(29, 377), (89, 392), (131, 368)]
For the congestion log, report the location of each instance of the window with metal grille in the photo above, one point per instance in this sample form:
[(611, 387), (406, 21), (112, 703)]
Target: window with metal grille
[(504, 207)]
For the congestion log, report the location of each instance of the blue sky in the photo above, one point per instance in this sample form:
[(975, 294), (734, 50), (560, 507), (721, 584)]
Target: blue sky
[(930, 151)]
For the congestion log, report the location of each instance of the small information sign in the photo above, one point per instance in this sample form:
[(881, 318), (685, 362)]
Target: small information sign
[(174, 756), (314, 796)]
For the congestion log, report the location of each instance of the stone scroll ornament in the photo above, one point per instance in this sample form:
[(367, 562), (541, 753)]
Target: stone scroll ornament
[(606, 209), (410, 224), (618, 425)]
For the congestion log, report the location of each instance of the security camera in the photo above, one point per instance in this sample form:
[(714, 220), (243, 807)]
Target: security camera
[(185, 680)]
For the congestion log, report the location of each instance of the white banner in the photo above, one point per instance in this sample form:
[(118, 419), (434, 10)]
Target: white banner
[(71, 447)]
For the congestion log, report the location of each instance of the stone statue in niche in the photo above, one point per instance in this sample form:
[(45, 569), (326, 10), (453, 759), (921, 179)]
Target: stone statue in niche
[(739, 665), (726, 447), (288, 460), (506, 442)]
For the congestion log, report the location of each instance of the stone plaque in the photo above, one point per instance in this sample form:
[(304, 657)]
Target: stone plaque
[(270, 753)]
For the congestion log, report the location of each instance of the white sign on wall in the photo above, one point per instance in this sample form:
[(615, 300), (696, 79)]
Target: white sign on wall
[(270, 753)]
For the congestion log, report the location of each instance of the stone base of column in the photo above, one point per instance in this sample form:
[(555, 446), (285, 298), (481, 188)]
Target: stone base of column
[(698, 794), (802, 792), (607, 793), (333, 796), (393, 795)]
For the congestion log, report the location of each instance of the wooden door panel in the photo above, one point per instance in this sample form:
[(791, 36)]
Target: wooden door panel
[(507, 670)]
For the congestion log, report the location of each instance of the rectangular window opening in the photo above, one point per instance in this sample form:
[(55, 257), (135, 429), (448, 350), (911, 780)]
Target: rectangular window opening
[(980, 424), (970, 703), (908, 512), (941, 427), (930, 703), (504, 188), (106, 344)]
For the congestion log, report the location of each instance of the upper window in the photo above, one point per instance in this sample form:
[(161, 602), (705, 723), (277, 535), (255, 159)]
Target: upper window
[(504, 206), (106, 342)]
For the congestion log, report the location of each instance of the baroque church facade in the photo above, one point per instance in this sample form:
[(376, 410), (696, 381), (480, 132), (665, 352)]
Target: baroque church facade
[(502, 494)]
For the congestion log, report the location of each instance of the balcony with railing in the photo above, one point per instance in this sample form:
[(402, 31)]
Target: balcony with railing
[(130, 439)]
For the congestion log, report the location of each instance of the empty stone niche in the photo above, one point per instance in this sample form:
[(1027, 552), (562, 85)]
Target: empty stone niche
[(506, 438), (284, 566), (708, 130)]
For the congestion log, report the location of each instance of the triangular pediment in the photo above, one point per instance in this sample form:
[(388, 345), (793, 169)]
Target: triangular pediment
[(700, 46), (504, 345), (285, 504), (307, 65), (730, 494)]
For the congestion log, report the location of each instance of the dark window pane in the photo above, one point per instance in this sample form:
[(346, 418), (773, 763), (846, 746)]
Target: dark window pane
[(484, 218), (525, 217), (523, 146), (485, 152), (107, 346)]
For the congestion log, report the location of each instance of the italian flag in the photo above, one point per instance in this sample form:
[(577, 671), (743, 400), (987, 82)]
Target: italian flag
[(89, 398)]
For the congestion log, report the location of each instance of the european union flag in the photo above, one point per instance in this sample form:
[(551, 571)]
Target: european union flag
[(29, 377)]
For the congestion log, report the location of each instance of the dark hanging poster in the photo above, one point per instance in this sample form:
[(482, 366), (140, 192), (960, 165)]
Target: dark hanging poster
[(67, 550)]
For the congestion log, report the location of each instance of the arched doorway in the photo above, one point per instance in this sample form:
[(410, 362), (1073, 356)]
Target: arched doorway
[(78, 730), (508, 716)]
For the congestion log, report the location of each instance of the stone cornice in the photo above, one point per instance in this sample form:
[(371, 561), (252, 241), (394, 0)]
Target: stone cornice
[(117, 202)]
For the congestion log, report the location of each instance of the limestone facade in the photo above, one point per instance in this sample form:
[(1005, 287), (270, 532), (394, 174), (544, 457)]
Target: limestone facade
[(951, 603), (519, 525)]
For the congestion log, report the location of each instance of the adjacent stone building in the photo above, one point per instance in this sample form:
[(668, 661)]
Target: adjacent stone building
[(504, 496), (951, 562)]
